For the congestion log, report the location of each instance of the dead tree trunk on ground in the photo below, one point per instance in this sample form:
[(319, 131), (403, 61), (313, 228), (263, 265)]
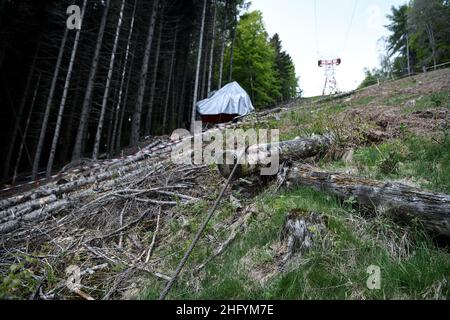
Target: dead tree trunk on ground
[(433, 210), (258, 155)]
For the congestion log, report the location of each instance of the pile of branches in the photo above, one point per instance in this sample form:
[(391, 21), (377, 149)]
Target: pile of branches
[(89, 237)]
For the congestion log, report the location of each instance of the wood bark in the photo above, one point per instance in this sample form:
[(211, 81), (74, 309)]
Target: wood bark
[(259, 154), (108, 84), (82, 127), (148, 121), (197, 72), (136, 123), (233, 41), (211, 53), (40, 145), (222, 48), (172, 62), (403, 201), (62, 104)]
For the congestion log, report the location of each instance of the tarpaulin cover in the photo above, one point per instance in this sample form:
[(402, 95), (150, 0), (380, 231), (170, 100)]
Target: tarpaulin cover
[(231, 99)]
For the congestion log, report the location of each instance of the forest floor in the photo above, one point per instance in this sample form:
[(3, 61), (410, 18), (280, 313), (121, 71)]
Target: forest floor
[(128, 240)]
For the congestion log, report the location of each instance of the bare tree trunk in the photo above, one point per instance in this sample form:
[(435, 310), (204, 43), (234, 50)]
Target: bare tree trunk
[(62, 105), (233, 40), (108, 84), (222, 50), (257, 156), (204, 70), (40, 145), (67, 145), (197, 72), (148, 121), (172, 61), (432, 44), (182, 99), (118, 143), (25, 132), (82, 127), (403, 201), (120, 107), (17, 127), (211, 53), (136, 124)]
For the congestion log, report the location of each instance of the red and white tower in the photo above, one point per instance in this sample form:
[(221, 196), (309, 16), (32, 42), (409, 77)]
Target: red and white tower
[(330, 86)]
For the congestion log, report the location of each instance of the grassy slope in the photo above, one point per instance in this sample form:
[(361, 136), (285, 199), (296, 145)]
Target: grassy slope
[(411, 265)]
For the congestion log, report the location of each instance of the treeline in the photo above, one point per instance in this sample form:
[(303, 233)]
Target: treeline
[(135, 68), (260, 64), (419, 39)]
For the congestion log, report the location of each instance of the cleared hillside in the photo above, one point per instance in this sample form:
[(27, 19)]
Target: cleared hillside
[(129, 222)]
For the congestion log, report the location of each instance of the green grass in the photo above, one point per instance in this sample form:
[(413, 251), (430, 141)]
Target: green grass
[(362, 101), (397, 100), (434, 100), (424, 161), (411, 267)]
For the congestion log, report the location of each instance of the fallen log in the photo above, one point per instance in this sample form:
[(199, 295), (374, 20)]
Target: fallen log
[(258, 156), (403, 201)]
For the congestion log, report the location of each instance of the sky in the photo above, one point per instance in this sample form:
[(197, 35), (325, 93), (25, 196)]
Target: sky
[(335, 35)]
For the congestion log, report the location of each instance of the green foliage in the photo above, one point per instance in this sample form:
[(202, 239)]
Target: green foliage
[(285, 69), (255, 63), (426, 25), (20, 280), (425, 160)]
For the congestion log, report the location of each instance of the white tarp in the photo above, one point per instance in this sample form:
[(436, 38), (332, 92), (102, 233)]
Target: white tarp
[(231, 99)]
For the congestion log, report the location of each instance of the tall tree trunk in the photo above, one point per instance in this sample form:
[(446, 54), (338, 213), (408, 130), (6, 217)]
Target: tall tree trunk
[(222, 49), (67, 145), (125, 99), (25, 132), (16, 129), (205, 70), (148, 121), (169, 81), (233, 40), (120, 107), (182, 99), (211, 53), (40, 145), (108, 84), (62, 105), (82, 127), (136, 124), (197, 72), (432, 44)]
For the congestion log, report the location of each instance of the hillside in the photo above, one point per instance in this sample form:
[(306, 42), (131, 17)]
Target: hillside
[(126, 223)]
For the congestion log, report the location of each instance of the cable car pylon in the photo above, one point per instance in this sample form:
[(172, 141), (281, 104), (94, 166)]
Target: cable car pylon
[(330, 87)]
